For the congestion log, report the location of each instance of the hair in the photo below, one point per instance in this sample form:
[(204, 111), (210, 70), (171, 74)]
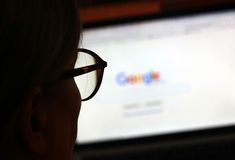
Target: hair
[(37, 38)]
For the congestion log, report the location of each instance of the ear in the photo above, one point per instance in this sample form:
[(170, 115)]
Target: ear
[(33, 120)]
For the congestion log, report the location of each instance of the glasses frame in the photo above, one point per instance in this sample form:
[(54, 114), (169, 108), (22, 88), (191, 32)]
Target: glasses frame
[(101, 64)]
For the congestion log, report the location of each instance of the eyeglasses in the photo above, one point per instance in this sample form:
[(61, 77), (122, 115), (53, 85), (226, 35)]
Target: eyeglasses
[(88, 73)]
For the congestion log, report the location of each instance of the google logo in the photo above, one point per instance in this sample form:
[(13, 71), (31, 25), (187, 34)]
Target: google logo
[(147, 78)]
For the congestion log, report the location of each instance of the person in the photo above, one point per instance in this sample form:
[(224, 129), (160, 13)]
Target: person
[(39, 97)]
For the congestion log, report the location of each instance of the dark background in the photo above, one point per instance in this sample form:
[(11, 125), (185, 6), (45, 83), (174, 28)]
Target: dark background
[(93, 11)]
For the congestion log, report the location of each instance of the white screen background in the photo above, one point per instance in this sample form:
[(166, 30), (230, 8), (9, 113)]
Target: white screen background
[(195, 57)]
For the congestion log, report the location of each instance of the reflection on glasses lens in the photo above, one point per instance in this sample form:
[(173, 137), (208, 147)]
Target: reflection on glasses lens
[(86, 83)]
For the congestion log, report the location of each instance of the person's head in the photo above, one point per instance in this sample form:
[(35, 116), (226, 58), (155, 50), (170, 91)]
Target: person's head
[(38, 41)]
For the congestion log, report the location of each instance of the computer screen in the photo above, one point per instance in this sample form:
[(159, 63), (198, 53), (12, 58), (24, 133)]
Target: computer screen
[(166, 75)]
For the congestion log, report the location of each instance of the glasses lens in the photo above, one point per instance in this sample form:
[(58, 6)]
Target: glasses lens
[(86, 83)]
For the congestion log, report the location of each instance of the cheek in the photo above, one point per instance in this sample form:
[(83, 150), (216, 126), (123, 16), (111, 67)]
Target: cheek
[(75, 100), (64, 108), (70, 108)]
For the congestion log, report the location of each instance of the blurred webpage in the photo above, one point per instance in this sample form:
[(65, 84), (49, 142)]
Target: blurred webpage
[(163, 76)]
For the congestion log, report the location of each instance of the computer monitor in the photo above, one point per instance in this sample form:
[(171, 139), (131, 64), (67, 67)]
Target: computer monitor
[(165, 75)]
